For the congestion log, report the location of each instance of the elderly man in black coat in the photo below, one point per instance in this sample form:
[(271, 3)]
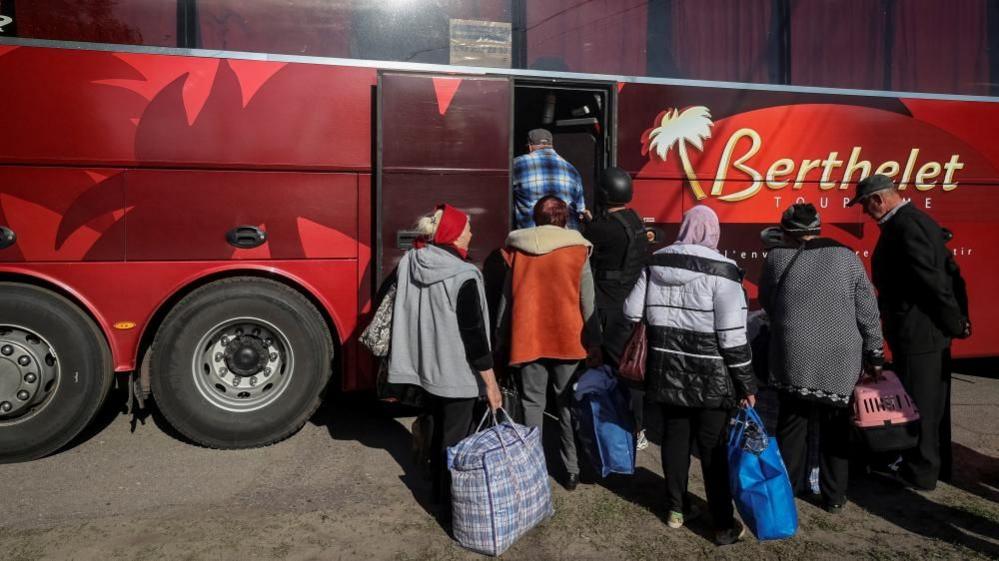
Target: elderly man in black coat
[(921, 314)]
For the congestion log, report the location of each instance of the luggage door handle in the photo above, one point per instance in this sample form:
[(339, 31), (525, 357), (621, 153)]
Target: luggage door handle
[(404, 239), (246, 237), (7, 237)]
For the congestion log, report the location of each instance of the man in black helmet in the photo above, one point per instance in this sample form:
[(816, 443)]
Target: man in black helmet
[(620, 251)]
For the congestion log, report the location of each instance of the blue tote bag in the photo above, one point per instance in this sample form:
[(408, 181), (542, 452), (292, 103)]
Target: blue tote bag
[(759, 481), (603, 421)]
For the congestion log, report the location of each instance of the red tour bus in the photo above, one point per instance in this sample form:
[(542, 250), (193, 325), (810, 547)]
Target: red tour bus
[(206, 193)]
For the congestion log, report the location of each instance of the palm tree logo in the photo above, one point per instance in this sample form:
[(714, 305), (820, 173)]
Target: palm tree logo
[(679, 128)]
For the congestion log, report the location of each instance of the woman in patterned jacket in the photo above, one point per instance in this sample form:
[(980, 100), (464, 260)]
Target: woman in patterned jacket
[(825, 328), (699, 364)]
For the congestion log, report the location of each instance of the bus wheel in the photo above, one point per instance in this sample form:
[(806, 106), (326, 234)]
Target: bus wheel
[(241, 362), (55, 371)]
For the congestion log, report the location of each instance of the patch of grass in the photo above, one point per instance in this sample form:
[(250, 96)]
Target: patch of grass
[(826, 523), (281, 550), (979, 509), (24, 552)]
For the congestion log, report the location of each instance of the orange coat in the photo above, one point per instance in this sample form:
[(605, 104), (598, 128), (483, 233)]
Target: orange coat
[(546, 316)]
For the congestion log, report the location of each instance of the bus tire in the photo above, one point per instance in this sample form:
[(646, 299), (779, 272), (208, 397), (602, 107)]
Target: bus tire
[(240, 363), (55, 371)]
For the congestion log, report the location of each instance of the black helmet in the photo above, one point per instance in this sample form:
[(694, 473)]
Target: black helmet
[(614, 187)]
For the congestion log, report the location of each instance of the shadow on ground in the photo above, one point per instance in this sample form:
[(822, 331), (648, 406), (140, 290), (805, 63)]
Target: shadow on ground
[(376, 424), (914, 511)]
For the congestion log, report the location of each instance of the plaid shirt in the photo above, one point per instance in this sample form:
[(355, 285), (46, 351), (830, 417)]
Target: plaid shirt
[(542, 173)]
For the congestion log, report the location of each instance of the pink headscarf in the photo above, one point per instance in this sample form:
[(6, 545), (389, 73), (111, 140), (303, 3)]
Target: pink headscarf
[(700, 226)]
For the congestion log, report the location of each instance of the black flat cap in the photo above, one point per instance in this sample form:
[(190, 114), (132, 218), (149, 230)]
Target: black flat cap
[(537, 137), (870, 185)]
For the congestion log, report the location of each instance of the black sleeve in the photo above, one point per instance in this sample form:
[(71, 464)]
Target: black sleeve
[(473, 327), (960, 287), (929, 276)]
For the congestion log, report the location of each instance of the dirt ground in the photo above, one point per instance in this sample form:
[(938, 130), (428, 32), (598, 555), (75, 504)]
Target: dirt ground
[(346, 487)]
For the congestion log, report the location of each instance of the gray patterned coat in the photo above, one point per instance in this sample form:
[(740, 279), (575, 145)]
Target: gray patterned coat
[(822, 321)]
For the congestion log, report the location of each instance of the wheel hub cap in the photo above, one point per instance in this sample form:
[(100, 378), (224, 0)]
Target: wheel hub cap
[(246, 355), (28, 371), (243, 364)]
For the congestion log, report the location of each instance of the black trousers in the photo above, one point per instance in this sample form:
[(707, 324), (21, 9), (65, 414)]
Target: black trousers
[(708, 427), (926, 376), (452, 423), (834, 445)]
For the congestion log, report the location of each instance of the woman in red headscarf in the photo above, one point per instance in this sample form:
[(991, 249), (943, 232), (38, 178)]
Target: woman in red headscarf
[(440, 301)]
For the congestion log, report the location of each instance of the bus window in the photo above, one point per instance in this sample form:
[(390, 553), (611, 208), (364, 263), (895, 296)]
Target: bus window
[(564, 35), (915, 45), (296, 27), (410, 31), (129, 22), (838, 56), (943, 46)]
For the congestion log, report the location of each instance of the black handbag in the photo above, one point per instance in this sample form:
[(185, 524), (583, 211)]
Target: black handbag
[(512, 401)]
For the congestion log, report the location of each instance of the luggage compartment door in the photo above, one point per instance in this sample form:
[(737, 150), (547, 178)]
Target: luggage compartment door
[(441, 138)]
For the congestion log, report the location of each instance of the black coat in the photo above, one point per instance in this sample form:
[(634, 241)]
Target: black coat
[(916, 291), (614, 275)]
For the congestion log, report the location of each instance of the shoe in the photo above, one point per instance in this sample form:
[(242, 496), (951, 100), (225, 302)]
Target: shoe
[(730, 536), (641, 443), (678, 519), (571, 482), (675, 519), (834, 508)]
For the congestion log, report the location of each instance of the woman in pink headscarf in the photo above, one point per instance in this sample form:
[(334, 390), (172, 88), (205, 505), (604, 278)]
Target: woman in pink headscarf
[(699, 363)]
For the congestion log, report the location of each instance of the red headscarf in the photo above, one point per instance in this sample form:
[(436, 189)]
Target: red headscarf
[(452, 225)]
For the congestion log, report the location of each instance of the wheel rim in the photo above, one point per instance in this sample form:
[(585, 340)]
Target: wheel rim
[(243, 364), (29, 373)]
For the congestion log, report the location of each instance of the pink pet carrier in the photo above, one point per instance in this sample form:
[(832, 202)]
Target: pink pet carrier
[(885, 414)]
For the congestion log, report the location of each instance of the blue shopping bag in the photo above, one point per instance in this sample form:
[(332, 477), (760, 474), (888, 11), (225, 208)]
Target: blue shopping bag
[(759, 481), (603, 421)]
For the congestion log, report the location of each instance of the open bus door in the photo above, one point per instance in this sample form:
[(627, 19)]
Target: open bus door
[(441, 138)]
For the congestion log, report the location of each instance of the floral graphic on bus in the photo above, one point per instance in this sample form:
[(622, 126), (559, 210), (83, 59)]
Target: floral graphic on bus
[(679, 128)]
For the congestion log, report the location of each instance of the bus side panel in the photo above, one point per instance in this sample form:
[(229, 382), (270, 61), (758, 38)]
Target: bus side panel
[(751, 154), (144, 109), (133, 292), (185, 215), (62, 214), (361, 366)]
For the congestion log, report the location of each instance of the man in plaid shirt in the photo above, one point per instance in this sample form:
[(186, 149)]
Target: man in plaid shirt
[(540, 173)]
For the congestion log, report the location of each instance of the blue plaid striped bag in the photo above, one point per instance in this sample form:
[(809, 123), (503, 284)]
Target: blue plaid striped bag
[(499, 486)]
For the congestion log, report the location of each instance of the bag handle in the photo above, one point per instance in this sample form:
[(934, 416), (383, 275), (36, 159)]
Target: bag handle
[(492, 414), (739, 423)]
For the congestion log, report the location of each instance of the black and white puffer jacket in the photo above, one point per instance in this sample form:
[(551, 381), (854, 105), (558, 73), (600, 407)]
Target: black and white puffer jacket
[(692, 301)]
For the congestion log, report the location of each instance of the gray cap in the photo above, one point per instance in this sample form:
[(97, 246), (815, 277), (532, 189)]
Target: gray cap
[(870, 185), (538, 137)]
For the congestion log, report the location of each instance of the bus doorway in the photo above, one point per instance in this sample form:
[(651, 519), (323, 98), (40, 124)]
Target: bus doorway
[(579, 117)]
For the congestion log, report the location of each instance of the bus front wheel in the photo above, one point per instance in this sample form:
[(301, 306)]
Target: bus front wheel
[(55, 371), (241, 363)]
